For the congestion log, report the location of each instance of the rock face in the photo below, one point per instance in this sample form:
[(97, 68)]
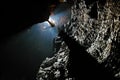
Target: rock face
[(97, 28), (55, 68)]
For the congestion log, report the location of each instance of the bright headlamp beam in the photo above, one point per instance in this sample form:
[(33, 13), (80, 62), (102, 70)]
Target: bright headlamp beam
[(51, 22)]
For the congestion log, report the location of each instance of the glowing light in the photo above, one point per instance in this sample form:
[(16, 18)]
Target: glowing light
[(57, 19), (44, 26), (51, 22)]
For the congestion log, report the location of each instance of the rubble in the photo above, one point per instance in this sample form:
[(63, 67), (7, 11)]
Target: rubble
[(100, 35)]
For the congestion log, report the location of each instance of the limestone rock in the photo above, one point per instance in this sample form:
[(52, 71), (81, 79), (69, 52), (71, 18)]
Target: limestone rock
[(100, 35)]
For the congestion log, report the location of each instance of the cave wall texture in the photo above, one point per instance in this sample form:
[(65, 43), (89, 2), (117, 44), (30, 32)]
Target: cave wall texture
[(95, 26)]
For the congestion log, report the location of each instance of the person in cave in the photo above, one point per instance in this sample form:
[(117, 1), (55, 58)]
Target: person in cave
[(82, 65)]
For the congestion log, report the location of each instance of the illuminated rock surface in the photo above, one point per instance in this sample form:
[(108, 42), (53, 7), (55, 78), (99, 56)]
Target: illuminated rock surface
[(97, 28)]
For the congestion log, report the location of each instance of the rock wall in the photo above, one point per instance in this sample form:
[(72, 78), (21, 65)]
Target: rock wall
[(96, 27), (55, 68)]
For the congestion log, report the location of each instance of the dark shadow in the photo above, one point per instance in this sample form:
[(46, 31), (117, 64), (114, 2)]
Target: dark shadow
[(93, 13), (17, 16), (82, 65)]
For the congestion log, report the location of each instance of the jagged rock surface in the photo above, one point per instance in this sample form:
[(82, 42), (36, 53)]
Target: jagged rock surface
[(100, 35), (55, 68)]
